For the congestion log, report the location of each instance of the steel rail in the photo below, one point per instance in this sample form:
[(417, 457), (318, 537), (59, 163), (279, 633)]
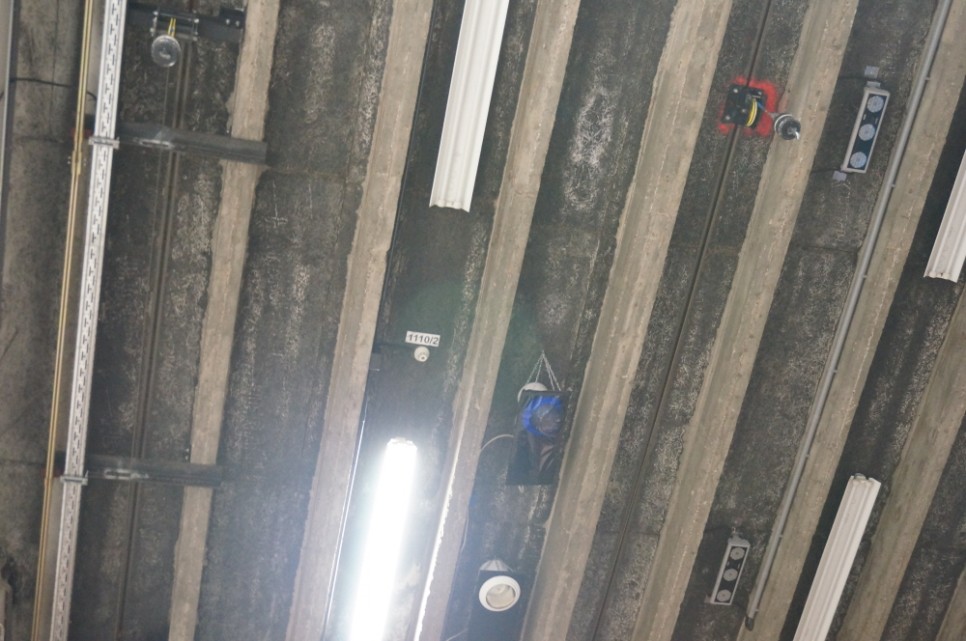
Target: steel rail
[(93, 257)]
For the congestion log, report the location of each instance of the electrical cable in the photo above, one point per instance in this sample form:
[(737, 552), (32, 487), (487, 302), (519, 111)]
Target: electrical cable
[(51, 83), (63, 324), (495, 439)]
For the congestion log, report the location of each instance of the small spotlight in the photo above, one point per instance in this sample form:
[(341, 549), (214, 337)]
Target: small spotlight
[(383, 541), (497, 614), (500, 592)]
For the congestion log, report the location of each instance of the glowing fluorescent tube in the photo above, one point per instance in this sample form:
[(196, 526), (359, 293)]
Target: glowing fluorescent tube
[(383, 541), (949, 252), (470, 90), (837, 559)]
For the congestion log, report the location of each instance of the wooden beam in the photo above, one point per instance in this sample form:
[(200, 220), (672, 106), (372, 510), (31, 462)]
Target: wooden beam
[(814, 72), (902, 216), (543, 75), (408, 33), (680, 94), (912, 487), (228, 246)]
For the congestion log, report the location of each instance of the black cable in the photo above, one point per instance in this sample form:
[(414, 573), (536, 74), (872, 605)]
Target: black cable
[(630, 507), (50, 83)]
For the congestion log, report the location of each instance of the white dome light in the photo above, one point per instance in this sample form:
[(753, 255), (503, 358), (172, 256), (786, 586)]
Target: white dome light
[(499, 593)]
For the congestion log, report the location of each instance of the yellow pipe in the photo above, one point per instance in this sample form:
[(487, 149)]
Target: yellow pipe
[(77, 167)]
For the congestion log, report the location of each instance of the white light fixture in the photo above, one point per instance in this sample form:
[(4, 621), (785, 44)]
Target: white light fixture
[(501, 592), (837, 559), (470, 90), (383, 541), (949, 252)]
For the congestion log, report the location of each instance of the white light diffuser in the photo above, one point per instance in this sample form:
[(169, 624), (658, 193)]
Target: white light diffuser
[(946, 260), (383, 541), (833, 569), (470, 90)]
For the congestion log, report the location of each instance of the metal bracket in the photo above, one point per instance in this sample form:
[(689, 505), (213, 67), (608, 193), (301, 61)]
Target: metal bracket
[(227, 26), (113, 143), (744, 106), (191, 142), (135, 470), (71, 478)]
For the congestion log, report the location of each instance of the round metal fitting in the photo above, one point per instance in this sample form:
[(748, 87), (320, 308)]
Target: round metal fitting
[(788, 127), (165, 51)]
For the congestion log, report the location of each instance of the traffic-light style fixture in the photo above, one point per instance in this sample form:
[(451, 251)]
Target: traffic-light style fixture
[(731, 566), (866, 129)]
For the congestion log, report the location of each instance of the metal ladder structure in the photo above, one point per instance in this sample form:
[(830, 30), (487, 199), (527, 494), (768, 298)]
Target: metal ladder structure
[(102, 156)]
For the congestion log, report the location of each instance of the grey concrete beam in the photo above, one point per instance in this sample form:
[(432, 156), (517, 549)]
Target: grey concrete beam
[(228, 245), (32, 247), (547, 56), (954, 625), (814, 72), (408, 33), (680, 95), (912, 185), (912, 488)]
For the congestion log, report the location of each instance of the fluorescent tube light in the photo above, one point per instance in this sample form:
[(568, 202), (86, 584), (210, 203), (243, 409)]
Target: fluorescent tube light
[(837, 559), (470, 90), (383, 541), (946, 260)]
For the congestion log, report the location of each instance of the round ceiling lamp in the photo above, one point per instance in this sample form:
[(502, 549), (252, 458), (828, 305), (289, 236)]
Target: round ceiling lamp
[(499, 593)]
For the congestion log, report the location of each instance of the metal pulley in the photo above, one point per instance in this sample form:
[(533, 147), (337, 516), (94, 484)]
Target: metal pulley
[(165, 48), (165, 51)]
